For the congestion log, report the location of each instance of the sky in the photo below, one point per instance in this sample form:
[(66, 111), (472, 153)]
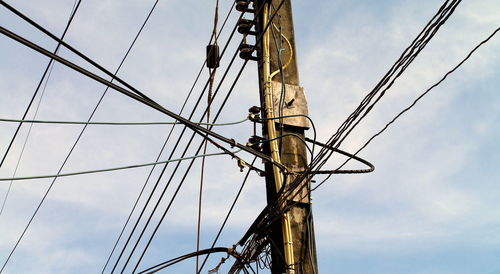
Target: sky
[(431, 206)]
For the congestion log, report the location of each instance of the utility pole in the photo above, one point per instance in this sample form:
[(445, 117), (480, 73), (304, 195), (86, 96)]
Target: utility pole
[(292, 240)]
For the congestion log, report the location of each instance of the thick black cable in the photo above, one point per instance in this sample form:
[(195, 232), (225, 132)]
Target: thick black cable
[(413, 51), (37, 89), (407, 57), (404, 56), (417, 45), (175, 146), (416, 100), (191, 163), (255, 119), (370, 168), (193, 126), (179, 259), (169, 134), (421, 45), (75, 51), (444, 12)]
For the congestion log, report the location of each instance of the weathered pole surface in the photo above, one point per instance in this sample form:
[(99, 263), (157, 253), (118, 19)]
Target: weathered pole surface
[(292, 151)]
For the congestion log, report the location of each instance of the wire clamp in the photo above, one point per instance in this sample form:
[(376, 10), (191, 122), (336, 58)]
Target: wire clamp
[(242, 164)]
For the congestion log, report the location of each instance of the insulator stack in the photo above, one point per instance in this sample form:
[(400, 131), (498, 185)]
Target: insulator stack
[(245, 28)]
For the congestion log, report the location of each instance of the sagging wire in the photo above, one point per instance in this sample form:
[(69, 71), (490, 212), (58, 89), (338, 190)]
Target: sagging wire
[(232, 153), (117, 123), (163, 265), (350, 156)]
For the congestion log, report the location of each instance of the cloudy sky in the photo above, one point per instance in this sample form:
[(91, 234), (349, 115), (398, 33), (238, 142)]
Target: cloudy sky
[(431, 206)]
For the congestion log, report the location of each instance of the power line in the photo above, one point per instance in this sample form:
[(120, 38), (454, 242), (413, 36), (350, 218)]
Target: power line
[(406, 58), (219, 232), (415, 101), (168, 138), (274, 212), (72, 49), (90, 117), (117, 123), (111, 169), (196, 128), (191, 163), (47, 72), (172, 153), (212, 69)]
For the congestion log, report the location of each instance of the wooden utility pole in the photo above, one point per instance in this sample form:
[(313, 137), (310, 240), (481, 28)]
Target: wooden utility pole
[(292, 240)]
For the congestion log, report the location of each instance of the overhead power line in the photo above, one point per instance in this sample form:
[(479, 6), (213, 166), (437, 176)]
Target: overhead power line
[(111, 169), (117, 123), (406, 58), (45, 76), (170, 134), (415, 102), (177, 166), (113, 77), (276, 209)]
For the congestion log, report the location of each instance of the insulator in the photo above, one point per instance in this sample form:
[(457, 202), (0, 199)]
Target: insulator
[(254, 143), (246, 52), (244, 26), (242, 5), (212, 56), (254, 110)]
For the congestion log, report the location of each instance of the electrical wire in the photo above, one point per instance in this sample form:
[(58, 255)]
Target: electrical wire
[(258, 119), (47, 72), (85, 126), (118, 123), (290, 135), (370, 168), (170, 134), (277, 208), (219, 232), (290, 57), (112, 169), (75, 51), (179, 259), (387, 81), (415, 101), (192, 161), (196, 128), (212, 72), (171, 155)]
